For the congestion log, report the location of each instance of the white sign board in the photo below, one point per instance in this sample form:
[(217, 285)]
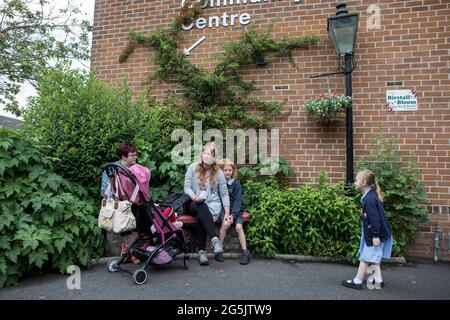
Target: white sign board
[(401, 100)]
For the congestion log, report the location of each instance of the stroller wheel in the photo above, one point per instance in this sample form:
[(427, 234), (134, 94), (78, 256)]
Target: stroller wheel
[(140, 276), (113, 265)]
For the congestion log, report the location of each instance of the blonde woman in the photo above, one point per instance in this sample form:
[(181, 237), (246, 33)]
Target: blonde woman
[(206, 186)]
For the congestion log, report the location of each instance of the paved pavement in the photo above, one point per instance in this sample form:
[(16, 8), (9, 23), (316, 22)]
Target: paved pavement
[(260, 280)]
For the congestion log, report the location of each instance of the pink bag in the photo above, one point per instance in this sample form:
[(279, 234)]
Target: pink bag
[(142, 175)]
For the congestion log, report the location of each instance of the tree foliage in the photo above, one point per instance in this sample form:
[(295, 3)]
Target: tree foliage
[(82, 121), (33, 35)]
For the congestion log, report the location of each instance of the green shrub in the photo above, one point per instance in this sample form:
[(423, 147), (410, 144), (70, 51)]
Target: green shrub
[(46, 222), (156, 147), (82, 121), (403, 194), (280, 179), (318, 221)]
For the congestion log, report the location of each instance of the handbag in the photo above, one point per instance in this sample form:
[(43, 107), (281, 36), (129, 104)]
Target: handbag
[(116, 215), (178, 202)]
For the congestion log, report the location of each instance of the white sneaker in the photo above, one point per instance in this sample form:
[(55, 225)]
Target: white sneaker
[(218, 247), (203, 258)]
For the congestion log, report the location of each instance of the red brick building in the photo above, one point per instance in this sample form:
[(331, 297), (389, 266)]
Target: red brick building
[(400, 45)]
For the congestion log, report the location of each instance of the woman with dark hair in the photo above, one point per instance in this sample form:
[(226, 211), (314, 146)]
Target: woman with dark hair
[(206, 186), (127, 154)]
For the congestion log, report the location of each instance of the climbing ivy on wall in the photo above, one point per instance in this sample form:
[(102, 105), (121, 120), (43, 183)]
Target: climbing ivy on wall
[(219, 97), (191, 9)]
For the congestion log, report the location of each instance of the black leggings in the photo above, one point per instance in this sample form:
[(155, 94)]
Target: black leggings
[(204, 222)]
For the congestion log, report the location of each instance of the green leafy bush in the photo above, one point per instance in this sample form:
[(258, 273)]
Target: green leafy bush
[(156, 147), (247, 173), (82, 121), (46, 222), (318, 221), (403, 194)]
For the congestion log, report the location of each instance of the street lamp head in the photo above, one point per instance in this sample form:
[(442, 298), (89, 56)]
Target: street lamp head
[(343, 29), (341, 8)]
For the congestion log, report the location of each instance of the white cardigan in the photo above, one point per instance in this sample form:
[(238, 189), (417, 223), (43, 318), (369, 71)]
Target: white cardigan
[(216, 197)]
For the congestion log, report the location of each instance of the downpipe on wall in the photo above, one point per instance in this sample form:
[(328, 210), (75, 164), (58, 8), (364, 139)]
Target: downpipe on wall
[(436, 243)]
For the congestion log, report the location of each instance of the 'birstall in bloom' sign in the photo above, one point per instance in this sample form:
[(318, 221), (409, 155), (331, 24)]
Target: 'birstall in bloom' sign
[(401, 100)]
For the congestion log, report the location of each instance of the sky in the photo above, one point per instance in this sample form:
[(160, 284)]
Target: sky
[(87, 8)]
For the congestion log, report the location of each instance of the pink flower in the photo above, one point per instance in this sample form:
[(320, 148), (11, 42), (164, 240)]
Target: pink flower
[(333, 92), (388, 107)]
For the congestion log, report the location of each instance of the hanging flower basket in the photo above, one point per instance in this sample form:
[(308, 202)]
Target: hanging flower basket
[(331, 117), (327, 108)]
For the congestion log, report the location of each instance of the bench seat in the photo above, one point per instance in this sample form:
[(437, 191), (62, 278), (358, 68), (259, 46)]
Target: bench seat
[(190, 220)]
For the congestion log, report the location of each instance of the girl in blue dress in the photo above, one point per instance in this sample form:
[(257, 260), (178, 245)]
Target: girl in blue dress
[(376, 237)]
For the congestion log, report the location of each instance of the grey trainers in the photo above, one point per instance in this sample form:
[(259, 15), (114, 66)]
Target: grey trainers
[(203, 258), (218, 248)]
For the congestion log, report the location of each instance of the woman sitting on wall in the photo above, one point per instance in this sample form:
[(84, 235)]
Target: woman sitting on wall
[(206, 186)]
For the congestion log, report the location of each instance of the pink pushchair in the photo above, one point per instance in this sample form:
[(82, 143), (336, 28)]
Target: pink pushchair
[(157, 246)]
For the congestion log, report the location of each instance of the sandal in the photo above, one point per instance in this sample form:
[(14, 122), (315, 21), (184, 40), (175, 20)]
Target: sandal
[(125, 252)]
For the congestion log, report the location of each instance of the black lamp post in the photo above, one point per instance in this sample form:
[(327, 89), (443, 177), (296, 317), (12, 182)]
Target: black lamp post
[(343, 28)]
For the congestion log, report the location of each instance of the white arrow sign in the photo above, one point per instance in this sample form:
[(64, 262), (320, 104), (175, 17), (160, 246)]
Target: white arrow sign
[(188, 51)]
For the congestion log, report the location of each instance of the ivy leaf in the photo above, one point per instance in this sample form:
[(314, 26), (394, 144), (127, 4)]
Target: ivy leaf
[(73, 228), (53, 181), (6, 144), (30, 236), (30, 242), (166, 166), (6, 219), (13, 254), (37, 204), (2, 265), (2, 169), (60, 244), (11, 188), (36, 171), (49, 218), (37, 257), (4, 242), (24, 220)]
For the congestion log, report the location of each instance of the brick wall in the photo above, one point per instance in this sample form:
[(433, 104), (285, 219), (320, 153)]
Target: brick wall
[(412, 45)]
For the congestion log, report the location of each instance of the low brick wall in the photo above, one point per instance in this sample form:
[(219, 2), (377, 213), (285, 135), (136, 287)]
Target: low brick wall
[(115, 242), (231, 242), (423, 246)]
